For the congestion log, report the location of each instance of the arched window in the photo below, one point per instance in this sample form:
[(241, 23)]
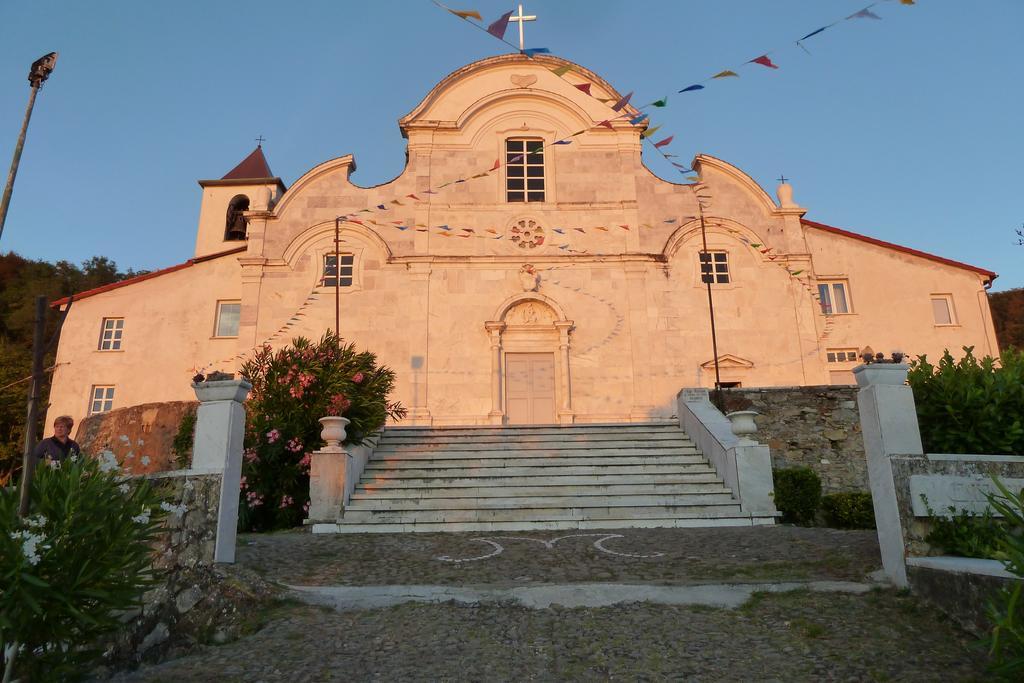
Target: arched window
[(234, 226)]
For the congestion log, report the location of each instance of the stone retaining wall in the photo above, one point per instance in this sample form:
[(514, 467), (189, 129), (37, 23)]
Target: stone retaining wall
[(816, 427)]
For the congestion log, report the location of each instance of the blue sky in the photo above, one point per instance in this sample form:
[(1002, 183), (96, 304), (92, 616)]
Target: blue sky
[(906, 129)]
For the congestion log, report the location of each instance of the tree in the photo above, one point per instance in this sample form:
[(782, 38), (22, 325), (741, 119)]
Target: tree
[(1008, 317)]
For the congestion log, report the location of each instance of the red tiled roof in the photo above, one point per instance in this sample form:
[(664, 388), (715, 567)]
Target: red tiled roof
[(148, 276), (906, 250), (253, 166)]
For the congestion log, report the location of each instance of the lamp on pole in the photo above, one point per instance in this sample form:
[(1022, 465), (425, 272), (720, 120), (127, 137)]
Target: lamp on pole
[(337, 278), (37, 75), (708, 277)]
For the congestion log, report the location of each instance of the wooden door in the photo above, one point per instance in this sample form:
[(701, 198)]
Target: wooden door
[(530, 388)]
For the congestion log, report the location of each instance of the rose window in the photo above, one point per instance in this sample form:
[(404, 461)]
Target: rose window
[(527, 234)]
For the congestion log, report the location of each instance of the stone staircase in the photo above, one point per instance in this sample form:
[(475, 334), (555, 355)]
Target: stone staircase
[(544, 477)]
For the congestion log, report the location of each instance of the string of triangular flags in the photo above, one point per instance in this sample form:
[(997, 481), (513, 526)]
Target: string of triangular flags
[(765, 59)]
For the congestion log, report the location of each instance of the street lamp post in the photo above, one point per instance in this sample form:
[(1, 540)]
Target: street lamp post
[(337, 278), (37, 75)]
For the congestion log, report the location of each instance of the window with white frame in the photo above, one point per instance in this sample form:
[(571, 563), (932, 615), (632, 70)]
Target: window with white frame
[(110, 334), (524, 170), (841, 355), (942, 309), (834, 297), (714, 267), (101, 399), (228, 313), (332, 273)]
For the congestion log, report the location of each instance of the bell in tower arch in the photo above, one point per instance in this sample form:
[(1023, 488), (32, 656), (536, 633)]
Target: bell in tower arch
[(235, 225)]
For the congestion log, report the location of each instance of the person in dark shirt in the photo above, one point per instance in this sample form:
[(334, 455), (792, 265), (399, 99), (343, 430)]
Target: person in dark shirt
[(60, 445)]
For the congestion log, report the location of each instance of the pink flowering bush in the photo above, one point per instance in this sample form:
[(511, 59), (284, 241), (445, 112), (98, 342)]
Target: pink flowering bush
[(292, 388)]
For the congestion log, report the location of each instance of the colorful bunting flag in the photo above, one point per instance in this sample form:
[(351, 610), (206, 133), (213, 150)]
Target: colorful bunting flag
[(763, 60), (497, 165), (607, 124), (466, 14), (531, 51), (382, 207), (622, 102), (664, 142), (497, 29), (638, 119), (649, 132), (585, 87), (865, 13), (397, 203), (562, 142), (663, 102), (560, 70), (691, 88), (413, 196), (813, 33), (726, 74)]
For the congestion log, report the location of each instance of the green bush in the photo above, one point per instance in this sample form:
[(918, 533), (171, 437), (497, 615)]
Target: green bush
[(852, 510), (1006, 610), (181, 447), (970, 406), (80, 558), (797, 494), (964, 533), (292, 388)]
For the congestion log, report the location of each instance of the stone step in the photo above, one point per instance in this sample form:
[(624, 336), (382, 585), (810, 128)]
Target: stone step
[(692, 476), (396, 463), (385, 447), (538, 514), (598, 438), (539, 470), (712, 485), (522, 430), (680, 522), (541, 454), (531, 502)]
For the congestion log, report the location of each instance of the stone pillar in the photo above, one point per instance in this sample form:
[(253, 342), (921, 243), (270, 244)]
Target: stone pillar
[(565, 415), (217, 448), (494, 329), (328, 473), (888, 420), (418, 330), (636, 293)]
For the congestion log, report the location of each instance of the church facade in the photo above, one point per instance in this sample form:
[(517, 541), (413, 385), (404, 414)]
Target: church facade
[(524, 268)]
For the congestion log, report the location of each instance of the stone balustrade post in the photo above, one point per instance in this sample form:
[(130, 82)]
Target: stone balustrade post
[(888, 419), (328, 473), (217, 449)]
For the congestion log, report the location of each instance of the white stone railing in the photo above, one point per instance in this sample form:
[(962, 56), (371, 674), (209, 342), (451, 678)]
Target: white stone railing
[(899, 472), (744, 465)]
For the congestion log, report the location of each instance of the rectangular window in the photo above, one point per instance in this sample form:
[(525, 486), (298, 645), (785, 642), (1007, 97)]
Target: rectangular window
[(714, 267), (841, 355), (942, 309), (331, 270), (833, 297), (110, 334), (524, 170), (101, 399), (228, 313)]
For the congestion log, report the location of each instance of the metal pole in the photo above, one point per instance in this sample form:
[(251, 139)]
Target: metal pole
[(9, 188), (711, 303), (337, 280), (37, 75), (32, 418)]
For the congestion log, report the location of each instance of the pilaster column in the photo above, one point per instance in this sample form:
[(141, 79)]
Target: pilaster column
[(494, 329), (419, 335), (248, 322), (565, 414), (636, 293)]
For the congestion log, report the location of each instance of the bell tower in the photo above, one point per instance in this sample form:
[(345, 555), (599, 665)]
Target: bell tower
[(227, 203)]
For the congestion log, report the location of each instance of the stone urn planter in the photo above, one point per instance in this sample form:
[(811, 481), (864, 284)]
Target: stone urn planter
[(743, 424), (222, 390), (893, 374), (333, 431)]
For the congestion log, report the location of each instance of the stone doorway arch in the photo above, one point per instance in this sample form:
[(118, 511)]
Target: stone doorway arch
[(530, 323)]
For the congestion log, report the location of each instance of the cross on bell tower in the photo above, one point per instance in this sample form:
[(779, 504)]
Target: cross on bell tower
[(521, 19)]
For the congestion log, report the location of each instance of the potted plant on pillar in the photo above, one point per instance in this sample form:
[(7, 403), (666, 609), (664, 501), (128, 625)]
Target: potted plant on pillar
[(737, 408)]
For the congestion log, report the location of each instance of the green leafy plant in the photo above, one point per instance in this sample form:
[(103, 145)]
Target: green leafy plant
[(1006, 610), (849, 510), (797, 494), (970, 405), (81, 557), (964, 533), (181, 447), (292, 388)]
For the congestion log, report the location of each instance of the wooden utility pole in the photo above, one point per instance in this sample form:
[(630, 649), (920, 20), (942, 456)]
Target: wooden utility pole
[(32, 418), (708, 278), (40, 71)]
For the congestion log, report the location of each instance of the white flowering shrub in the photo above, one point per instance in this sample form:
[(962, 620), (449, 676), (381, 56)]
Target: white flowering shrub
[(82, 556)]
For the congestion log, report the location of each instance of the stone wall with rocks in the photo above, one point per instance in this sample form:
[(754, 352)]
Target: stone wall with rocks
[(816, 427), (194, 601), (140, 436)]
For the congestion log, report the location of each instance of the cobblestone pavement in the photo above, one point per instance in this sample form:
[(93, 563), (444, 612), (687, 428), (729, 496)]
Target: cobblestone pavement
[(716, 555), (799, 636)]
